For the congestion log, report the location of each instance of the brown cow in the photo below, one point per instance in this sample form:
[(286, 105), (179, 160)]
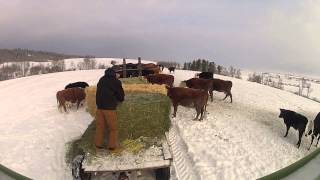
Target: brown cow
[(156, 70), (160, 79), (198, 83), (149, 66), (188, 97), (74, 95), (222, 86)]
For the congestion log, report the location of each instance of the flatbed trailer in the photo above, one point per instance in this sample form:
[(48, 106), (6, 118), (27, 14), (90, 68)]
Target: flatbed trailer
[(153, 163)]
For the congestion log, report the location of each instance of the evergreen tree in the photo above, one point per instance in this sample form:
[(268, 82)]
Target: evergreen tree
[(193, 65), (185, 66), (198, 65), (205, 67), (212, 67)]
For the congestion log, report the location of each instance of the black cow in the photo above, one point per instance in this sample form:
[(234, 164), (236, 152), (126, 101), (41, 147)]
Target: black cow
[(171, 69), (77, 84), (205, 75), (222, 86), (315, 131), (297, 121)]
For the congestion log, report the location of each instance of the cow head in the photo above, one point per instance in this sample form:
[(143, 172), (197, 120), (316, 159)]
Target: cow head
[(282, 111), (168, 90)]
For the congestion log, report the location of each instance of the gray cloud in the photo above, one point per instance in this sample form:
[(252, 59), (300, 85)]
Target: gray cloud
[(248, 34)]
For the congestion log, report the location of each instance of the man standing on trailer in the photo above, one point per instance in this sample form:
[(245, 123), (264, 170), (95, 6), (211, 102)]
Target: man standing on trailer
[(109, 94)]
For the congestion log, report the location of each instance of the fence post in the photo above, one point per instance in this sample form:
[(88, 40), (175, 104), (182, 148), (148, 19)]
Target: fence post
[(124, 68), (139, 66)]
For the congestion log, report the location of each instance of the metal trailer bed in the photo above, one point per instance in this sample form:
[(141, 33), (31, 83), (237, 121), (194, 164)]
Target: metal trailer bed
[(137, 168)]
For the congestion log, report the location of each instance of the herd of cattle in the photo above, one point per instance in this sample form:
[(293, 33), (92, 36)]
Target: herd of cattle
[(131, 69), (195, 95)]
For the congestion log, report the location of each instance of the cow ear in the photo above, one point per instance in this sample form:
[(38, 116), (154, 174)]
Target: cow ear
[(281, 109)]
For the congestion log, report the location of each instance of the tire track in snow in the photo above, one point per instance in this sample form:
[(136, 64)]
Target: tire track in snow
[(181, 160)]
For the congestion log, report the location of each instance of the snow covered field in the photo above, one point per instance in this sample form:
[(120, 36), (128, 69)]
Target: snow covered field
[(242, 140), (314, 92)]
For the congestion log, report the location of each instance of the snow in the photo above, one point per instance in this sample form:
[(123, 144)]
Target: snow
[(242, 140), (104, 161), (292, 79)]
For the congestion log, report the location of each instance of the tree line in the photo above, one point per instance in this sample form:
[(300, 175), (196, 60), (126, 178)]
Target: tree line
[(11, 70), (18, 55), (207, 66)]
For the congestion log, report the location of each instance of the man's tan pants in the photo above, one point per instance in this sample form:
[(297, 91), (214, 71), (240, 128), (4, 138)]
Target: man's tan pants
[(109, 118)]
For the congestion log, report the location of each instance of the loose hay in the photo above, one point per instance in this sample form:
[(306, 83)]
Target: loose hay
[(134, 80), (143, 114)]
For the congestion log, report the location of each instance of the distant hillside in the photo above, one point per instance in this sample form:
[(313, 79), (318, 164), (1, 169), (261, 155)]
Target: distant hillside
[(15, 55)]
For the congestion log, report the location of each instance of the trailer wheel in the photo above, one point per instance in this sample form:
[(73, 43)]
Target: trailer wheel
[(163, 173)]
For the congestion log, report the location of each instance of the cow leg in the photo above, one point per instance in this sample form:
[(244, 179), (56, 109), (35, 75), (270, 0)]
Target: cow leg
[(318, 140), (311, 141), (198, 112), (230, 96), (288, 127), (202, 110), (64, 107), (78, 103), (300, 135), (225, 96), (211, 95), (175, 108)]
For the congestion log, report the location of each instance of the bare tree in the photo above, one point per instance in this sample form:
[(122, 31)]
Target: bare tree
[(255, 78), (232, 71), (238, 74), (89, 63)]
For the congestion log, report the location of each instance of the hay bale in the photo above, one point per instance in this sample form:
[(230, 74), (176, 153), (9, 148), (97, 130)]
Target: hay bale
[(148, 88), (133, 80), (128, 88), (143, 114)]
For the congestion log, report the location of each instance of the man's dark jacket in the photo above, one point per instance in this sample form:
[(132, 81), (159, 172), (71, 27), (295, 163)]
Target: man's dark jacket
[(109, 93)]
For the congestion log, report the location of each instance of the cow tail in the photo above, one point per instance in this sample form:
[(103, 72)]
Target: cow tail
[(57, 99)]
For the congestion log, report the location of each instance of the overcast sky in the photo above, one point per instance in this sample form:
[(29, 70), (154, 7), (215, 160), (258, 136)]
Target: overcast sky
[(279, 35)]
